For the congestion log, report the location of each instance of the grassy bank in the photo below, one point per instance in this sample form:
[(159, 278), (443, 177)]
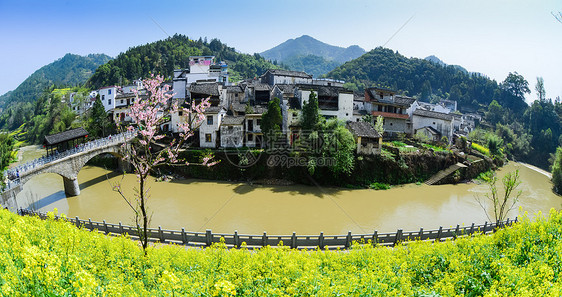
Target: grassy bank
[(52, 258)]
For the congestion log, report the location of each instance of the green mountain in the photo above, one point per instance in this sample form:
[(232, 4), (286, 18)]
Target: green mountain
[(438, 61), (310, 55), (310, 64), (164, 56), (306, 45), (70, 70), (429, 80)]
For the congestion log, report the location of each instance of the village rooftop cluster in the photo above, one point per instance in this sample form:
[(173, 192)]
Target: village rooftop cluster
[(234, 118)]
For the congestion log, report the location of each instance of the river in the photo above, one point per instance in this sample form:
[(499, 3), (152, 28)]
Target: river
[(224, 207)]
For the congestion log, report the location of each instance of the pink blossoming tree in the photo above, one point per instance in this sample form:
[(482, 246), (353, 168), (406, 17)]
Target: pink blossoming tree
[(147, 114)]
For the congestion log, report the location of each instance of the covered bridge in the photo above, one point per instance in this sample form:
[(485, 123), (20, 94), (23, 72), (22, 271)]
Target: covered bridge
[(63, 141)]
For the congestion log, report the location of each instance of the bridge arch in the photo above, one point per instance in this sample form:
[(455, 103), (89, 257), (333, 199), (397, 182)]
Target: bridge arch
[(67, 165)]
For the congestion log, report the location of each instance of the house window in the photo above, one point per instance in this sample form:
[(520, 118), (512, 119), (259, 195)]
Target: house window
[(109, 101), (208, 138), (258, 122), (109, 92), (180, 113), (209, 120), (121, 101), (102, 97), (250, 137)]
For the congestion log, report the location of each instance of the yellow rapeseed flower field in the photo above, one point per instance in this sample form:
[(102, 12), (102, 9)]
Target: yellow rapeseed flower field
[(54, 258)]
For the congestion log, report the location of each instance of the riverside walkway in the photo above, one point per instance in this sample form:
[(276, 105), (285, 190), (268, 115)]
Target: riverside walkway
[(236, 240)]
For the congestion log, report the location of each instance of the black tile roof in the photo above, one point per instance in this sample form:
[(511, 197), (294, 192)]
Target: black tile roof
[(431, 130), (363, 129), (65, 136), (234, 89), (404, 101), (328, 91), (282, 72), (261, 87), (239, 107), (210, 89), (433, 114), (286, 89), (232, 120), (258, 109), (213, 109)]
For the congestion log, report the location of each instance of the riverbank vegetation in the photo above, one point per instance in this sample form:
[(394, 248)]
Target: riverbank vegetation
[(8, 154), (41, 258)]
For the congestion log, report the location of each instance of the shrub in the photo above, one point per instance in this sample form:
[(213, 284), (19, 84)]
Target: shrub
[(379, 186), (481, 149)]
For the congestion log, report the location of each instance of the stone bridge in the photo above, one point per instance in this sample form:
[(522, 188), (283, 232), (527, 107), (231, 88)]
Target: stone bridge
[(66, 164)]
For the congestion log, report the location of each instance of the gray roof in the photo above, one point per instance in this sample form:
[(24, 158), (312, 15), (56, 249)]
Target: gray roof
[(286, 89), (431, 130), (211, 89), (282, 72), (213, 109), (404, 100), (65, 136), (234, 89), (261, 87), (239, 107), (358, 97), (232, 120), (360, 112), (363, 129), (330, 91), (433, 114), (257, 109)]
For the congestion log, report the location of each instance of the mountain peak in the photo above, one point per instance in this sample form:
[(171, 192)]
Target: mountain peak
[(307, 45)]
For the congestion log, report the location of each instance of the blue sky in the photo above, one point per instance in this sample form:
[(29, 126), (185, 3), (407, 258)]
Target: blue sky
[(491, 37)]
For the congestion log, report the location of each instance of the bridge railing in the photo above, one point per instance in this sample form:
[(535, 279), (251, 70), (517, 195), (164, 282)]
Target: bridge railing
[(236, 240), (12, 175)]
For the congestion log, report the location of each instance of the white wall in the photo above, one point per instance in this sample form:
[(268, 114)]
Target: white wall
[(107, 96), (443, 126), (210, 129)]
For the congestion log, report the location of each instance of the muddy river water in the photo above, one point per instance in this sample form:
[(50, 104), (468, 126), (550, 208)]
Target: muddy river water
[(224, 207)]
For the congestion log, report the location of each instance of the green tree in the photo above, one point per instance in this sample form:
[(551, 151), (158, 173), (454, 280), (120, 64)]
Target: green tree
[(379, 125), (501, 204), (98, 122), (514, 88), (495, 113), (368, 118), (557, 171), (310, 113), (272, 121), (539, 87), (426, 91), (7, 154), (339, 146)]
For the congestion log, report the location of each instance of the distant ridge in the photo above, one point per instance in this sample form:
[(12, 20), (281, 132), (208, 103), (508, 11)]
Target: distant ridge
[(310, 55), (68, 70), (306, 45), (438, 61)]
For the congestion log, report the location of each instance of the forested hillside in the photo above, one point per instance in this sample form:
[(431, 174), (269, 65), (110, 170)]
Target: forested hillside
[(423, 78), (164, 56), (311, 64), (70, 70)]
